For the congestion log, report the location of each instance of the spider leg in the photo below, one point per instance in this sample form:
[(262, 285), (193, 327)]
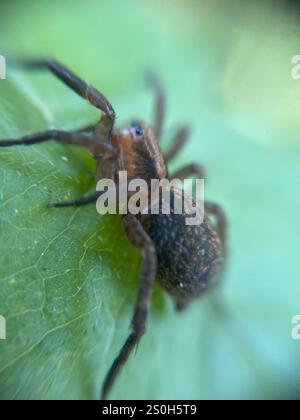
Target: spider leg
[(83, 201), (65, 137), (218, 213), (87, 92), (159, 111), (141, 240), (192, 169), (86, 128), (177, 144), (70, 79)]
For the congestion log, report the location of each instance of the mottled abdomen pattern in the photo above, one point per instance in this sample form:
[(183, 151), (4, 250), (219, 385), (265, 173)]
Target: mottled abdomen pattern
[(190, 258)]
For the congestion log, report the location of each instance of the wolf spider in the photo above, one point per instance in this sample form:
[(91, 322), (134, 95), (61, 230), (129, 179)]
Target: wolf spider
[(186, 260)]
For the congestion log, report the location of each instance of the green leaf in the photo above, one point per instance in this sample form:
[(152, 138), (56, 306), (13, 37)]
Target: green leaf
[(69, 277)]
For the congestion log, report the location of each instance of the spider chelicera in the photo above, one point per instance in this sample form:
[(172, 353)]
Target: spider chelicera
[(186, 260)]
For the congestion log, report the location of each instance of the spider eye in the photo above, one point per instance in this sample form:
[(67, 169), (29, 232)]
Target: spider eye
[(138, 129)]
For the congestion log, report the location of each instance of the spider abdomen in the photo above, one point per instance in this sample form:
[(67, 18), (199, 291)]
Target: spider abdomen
[(190, 258)]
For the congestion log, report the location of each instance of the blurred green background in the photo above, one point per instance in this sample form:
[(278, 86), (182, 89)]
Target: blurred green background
[(68, 278)]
